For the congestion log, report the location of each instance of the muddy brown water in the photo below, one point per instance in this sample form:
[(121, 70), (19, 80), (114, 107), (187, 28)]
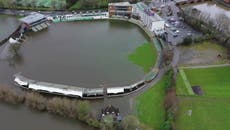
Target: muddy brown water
[(88, 54)]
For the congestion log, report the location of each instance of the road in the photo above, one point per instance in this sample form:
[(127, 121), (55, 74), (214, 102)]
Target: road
[(205, 66)]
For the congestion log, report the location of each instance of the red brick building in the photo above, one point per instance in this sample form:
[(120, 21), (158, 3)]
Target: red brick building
[(227, 1), (120, 9)]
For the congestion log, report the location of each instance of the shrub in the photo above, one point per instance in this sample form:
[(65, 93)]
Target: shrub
[(83, 110), (70, 108), (36, 101), (130, 122), (55, 106), (10, 96), (187, 41), (93, 122)]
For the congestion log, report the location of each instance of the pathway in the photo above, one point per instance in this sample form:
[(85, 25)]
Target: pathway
[(205, 66)]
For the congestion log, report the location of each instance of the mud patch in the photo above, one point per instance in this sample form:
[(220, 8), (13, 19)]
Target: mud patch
[(203, 54), (197, 90)]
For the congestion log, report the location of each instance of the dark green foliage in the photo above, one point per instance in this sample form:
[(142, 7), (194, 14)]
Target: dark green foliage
[(187, 41)]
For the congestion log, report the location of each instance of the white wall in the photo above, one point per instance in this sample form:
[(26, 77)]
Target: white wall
[(158, 26)]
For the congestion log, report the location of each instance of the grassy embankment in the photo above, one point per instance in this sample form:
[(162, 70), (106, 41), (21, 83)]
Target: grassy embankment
[(150, 105), (210, 111), (144, 56)]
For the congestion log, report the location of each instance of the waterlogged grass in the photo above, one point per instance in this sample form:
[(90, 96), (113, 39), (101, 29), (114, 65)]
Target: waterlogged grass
[(144, 56), (206, 114), (150, 105)]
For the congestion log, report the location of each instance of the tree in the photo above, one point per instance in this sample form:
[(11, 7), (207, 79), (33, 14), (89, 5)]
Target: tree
[(36, 101), (108, 122), (130, 122), (83, 110), (187, 40)]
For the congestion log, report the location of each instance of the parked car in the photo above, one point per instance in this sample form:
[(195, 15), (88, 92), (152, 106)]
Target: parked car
[(175, 35), (173, 29), (167, 25)]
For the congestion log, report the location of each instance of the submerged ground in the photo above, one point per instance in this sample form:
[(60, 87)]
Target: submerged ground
[(87, 54)]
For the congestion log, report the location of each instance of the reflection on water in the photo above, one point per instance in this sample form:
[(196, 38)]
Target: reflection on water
[(11, 52), (212, 9)]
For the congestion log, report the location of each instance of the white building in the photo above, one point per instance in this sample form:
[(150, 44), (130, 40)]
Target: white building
[(150, 19)]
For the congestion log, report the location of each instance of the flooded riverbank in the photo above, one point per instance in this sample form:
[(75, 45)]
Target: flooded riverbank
[(22, 118), (88, 54), (85, 54)]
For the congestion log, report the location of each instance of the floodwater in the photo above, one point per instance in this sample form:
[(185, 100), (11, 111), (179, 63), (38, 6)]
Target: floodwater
[(85, 54), (212, 9), (7, 25), (88, 54), (21, 118)]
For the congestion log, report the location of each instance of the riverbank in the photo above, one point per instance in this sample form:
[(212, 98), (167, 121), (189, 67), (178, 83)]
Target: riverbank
[(78, 110)]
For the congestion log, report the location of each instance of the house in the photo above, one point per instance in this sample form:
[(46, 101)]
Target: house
[(227, 1)]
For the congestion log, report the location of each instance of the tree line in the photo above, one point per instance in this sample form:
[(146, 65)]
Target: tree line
[(71, 108)]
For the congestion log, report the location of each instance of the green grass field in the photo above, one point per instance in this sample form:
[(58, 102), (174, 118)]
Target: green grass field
[(144, 56), (214, 82), (180, 86), (207, 114), (210, 111), (150, 105)]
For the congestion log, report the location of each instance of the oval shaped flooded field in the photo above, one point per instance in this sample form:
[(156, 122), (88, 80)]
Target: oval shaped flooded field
[(86, 54)]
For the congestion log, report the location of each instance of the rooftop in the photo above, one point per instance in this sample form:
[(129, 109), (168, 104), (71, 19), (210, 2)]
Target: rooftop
[(33, 17), (143, 7), (178, 1), (120, 4)]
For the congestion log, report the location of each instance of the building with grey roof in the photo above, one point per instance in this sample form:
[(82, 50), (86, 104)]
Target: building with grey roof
[(35, 22)]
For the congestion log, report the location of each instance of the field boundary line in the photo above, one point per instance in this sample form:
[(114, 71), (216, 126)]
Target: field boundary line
[(186, 82), (205, 66)]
